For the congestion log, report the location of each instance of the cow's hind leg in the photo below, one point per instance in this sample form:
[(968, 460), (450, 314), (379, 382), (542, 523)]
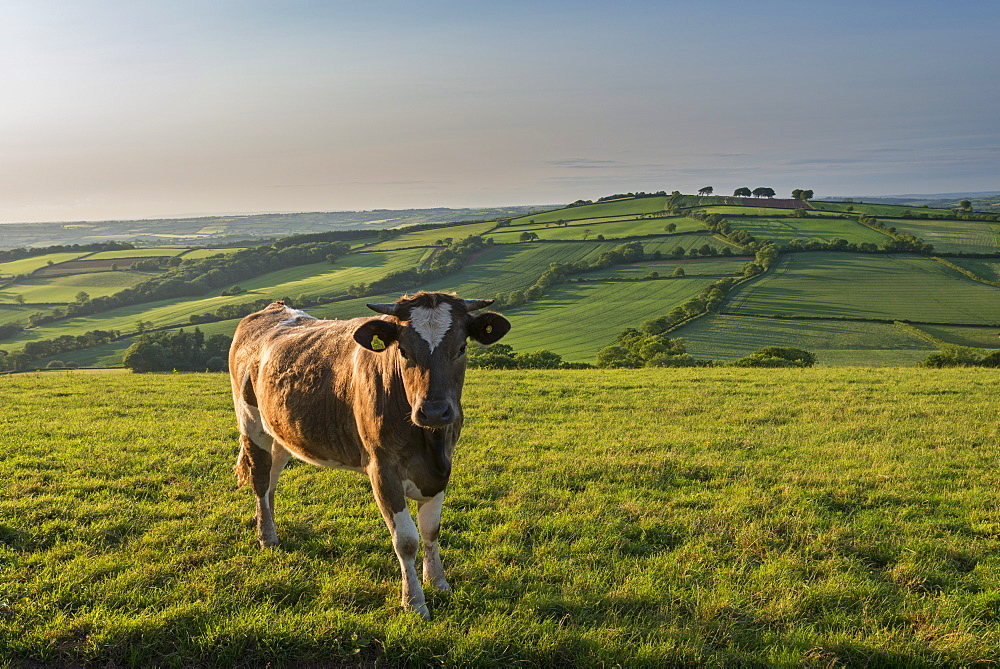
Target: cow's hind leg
[(391, 502), (261, 469), (429, 521)]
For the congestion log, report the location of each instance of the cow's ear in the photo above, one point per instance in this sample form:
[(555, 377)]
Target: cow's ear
[(376, 335), (487, 328)]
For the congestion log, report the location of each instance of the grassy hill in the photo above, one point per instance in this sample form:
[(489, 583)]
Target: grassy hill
[(821, 291), (640, 518)]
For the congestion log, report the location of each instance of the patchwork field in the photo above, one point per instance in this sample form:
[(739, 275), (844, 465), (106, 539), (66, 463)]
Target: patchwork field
[(825, 287), (841, 285)]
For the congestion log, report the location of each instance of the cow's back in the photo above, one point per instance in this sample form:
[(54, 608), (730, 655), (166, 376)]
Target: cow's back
[(297, 372)]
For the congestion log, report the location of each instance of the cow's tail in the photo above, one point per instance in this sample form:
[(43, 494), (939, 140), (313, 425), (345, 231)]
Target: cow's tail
[(242, 468)]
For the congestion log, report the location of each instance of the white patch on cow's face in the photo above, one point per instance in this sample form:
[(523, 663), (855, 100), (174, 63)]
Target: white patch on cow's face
[(431, 323)]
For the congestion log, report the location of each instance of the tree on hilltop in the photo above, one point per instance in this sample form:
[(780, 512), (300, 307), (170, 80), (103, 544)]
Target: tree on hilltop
[(707, 190), (742, 192), (799, 194), (763, 192)]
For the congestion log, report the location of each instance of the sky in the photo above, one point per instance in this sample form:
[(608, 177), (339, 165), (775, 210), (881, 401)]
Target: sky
[(121, 109)]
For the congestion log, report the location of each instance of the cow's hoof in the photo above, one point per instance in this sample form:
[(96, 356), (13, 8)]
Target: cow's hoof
[(268, 543)]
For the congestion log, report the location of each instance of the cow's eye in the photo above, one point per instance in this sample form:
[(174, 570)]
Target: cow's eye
[(461, 350), (402, 351)]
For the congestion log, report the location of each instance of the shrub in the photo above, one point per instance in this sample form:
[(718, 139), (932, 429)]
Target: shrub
[(776, 356)]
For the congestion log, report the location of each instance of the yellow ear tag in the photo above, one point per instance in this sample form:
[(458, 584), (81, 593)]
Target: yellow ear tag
[(377, 344), (489, 329)]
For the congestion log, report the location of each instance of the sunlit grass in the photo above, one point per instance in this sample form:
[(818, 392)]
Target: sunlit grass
[(641, 518)]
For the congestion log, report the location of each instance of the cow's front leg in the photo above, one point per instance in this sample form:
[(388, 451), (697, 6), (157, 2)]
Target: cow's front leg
[(429, 520), (391, 502)]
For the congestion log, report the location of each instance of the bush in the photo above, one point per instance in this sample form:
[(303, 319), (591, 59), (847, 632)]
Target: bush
[(957, 356), (776, 356), (56, 364)]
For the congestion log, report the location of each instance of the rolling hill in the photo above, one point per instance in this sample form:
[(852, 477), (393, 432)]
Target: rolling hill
[(844, 276)]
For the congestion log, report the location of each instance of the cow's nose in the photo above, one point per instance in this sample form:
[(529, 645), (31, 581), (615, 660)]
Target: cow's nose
[(436, 413)]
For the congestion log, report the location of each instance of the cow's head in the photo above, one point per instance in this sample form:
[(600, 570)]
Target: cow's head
[(427, 334)]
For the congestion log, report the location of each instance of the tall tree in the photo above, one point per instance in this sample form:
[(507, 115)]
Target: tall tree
[(763, 191), (707, 190), (742, 192)]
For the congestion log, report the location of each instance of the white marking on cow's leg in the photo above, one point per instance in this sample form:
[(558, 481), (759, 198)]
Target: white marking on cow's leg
[(431, 323), (405, 542), (388, 491), (429, 520)]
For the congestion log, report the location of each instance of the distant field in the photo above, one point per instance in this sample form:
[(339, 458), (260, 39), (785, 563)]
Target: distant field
[(959, 335), (147, 252), (610, 230), (198, 254), (576, 320), (715, 267), (832, 285), (950, 236), (10, 313), (981, 267), (66, 288), (29, 265), (430, 237), (628, 207), (727, 337), (814, 228), (880, 210)]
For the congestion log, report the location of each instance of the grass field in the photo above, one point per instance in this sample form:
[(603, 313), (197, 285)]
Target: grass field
[(780, 517), (983, 268), (29, 265), (714, 267), (782, 230), (626, 207), (65, 288), (959, 335), (198, 254), (950, 236), (576, 320), (429, 237), (832, 285), (610, 230), (836, 343), (148, 252)]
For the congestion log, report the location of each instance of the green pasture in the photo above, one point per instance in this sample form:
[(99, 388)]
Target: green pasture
[(963, 335), (837, 343), (624, 207), (713, 266), (611, 230), (146, 252), (29, 265), (65, 288), (198, 254), (879, 210), (984, 268), (842, 285), (954, 236), (10, 313), (576, 320), (777, 212), (640, 518), (782, 230), (430, 237)]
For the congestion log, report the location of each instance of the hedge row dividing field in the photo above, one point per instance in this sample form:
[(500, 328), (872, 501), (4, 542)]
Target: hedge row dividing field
[(706, 517)]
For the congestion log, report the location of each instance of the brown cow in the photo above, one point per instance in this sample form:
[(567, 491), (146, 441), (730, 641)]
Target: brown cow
[(381, 396)]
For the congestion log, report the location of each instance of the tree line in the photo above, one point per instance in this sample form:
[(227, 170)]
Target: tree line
[(178, 350)]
